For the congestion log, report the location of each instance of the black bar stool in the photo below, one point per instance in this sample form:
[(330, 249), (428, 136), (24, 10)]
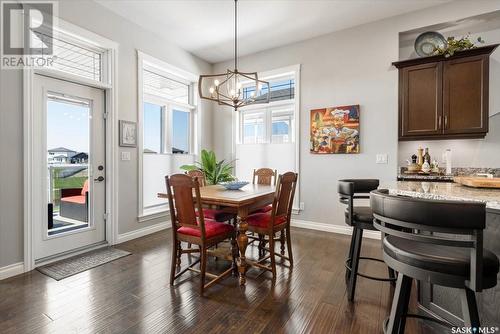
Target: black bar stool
[(360, 218), (444, 259)]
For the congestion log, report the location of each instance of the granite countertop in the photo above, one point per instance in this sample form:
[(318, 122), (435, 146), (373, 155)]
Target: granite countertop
[(444, 191), (424, 177), (442, 177)]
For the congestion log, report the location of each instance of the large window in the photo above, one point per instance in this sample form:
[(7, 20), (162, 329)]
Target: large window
[(168, 122), (266, 135)]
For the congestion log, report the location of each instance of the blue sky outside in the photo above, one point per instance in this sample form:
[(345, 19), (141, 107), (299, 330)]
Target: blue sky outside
[(67, 126)]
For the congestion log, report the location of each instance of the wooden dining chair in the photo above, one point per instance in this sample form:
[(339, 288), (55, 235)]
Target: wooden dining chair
[(266, 176), (277, 220), (189, 227), (209, 212)]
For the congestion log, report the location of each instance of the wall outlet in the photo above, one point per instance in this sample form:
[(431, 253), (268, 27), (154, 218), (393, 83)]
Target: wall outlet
[(125, 156), (381, 158), (301, 206)]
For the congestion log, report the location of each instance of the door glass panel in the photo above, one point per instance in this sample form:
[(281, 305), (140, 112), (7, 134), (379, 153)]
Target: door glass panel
[(180, 131), (68, 129)]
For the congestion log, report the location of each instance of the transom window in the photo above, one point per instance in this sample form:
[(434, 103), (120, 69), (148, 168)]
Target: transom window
[(74, 57), (165, 87)]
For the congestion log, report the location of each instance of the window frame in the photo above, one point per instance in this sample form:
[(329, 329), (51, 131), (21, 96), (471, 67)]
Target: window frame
[(268, 111), (167, 107), (294, 72), (155, 65)]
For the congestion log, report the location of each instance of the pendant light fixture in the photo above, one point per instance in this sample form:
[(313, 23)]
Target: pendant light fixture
[(234, 88)]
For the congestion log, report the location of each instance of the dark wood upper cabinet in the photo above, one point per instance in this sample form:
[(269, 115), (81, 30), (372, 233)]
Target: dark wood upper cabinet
[(442, 97)]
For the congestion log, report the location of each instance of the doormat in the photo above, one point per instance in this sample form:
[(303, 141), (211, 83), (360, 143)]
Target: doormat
[(79, 263)]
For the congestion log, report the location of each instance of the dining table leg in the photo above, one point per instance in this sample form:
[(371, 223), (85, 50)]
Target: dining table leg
[(242, 240)]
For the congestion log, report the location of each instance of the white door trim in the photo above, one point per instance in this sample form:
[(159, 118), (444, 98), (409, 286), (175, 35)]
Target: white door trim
[(111, 102)]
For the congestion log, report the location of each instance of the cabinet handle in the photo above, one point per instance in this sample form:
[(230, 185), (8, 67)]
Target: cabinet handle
[(446, 122), (439, 121)]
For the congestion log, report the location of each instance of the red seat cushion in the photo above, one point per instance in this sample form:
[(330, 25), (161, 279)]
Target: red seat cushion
[(264, 209), (79, 199), (85, 187), (263, 220), (212, 229), (217, 215)]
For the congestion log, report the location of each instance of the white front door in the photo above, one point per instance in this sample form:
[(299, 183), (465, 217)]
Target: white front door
[(69, 122)]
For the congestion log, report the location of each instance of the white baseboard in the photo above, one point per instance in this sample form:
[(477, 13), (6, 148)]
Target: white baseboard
[(142, 232), (11, 270), (340, 229)]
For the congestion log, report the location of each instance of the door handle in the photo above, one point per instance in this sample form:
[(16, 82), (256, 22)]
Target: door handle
[(446, 122), (99, 179), (439, 122)]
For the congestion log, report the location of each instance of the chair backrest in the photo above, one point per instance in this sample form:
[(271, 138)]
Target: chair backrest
[(200, 175), (350, 189), (265, 176), (183, 204), (401, 216), (283, 196)]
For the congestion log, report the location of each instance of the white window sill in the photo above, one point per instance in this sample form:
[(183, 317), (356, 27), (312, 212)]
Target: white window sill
[(153, 213)]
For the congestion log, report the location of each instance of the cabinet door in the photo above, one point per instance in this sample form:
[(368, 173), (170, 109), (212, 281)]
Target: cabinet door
[(465, 95), (421, 100)]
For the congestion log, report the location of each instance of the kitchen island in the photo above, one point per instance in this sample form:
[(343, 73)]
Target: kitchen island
[(445, 302)]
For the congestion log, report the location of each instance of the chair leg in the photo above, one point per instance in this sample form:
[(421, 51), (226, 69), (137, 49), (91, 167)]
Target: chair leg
[(272, 258), (262, 245), (351, 250), (351, 288), (289, 246), (392, 274), (179, 253), (203, 268), (282, 242), (174, 262), (234, 252), (399, 308), (469, 308)]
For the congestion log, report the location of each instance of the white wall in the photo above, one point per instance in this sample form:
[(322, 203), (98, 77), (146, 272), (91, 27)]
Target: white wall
[(346, 67), (91, 16)]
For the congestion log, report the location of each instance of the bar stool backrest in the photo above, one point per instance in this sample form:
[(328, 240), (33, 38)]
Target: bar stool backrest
[(351, 189), (401, 216)]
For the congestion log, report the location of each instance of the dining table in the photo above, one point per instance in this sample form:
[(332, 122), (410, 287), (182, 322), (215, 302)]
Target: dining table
[(241, 202)]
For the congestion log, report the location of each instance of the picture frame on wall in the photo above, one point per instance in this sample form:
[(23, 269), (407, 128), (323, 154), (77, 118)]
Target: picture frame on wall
[(335, 130), (128, 134)]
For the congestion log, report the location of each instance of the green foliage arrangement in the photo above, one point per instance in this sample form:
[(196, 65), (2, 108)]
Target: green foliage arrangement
[(215, 171), (453, 45)]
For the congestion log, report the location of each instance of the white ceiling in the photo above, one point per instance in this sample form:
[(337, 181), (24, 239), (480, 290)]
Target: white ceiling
[(205, 27)]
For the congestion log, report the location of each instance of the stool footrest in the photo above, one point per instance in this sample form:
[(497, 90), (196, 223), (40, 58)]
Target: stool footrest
[(382, 279)]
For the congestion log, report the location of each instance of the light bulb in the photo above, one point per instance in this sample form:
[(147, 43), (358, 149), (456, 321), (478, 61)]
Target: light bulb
[(216, 82), (233, 93), (239, 85), (252, 94), (212, 90)]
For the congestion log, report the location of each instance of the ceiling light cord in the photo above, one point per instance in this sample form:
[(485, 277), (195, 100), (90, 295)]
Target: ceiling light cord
[(235, 34)]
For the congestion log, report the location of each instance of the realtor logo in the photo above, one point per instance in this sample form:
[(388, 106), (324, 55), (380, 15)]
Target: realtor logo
[(27, 33)]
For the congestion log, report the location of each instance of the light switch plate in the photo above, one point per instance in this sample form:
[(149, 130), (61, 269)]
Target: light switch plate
[(381, 158), (125, 156)]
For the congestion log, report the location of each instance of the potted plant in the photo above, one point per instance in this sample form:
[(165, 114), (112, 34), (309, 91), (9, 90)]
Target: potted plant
[(215, 171)]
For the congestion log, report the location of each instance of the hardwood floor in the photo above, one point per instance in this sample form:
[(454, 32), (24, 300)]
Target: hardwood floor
[(132, 295)]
